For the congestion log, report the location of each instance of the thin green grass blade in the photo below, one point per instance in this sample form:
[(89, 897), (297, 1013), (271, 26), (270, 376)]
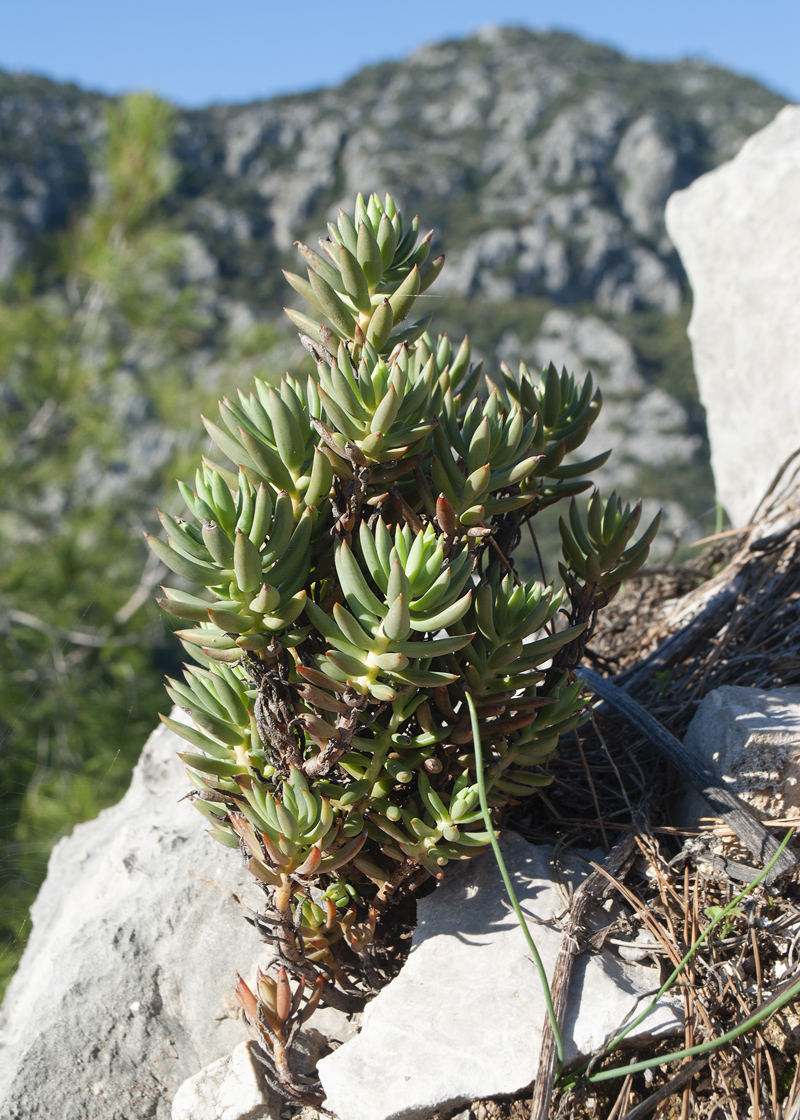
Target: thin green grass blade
[(481, 783)]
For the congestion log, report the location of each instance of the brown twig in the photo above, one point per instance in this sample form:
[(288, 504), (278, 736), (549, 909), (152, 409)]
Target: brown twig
[(537, 551), (674, 1085), (621, 1103), (588, 773), (586, 894), (505, 561), (689, 938)]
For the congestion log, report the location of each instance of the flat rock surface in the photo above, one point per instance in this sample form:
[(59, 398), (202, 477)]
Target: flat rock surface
[(231, 1088), (463, 1020), (737, 230), (125, 988), (750, 738)]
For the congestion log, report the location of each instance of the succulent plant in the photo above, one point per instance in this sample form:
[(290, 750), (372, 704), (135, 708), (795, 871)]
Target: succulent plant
[(357, 581)]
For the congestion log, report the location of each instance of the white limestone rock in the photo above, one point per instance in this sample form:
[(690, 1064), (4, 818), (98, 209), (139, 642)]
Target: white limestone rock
[(646, 162), (232, 1088), (126, 985), (737, 230), (463, 1019), (750, 738)]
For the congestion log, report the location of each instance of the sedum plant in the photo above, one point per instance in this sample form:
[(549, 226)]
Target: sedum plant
[(350, 579)]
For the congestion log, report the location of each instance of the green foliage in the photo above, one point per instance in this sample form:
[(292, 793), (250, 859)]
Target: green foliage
[(356, 587), (86, 366), (716, 913), (140, 170)]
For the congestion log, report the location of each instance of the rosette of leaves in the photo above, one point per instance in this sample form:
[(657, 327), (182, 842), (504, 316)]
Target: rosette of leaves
[(348, 574)]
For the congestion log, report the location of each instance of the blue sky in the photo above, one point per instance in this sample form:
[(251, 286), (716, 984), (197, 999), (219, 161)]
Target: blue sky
[(197, 51)]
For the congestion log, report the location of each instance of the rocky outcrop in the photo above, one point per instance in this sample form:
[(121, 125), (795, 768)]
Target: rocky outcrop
[(232, 1088), (544, 161), (750, 738), (125, 989), (46, 132), (463, 1020), (642, 423), (738, 233)]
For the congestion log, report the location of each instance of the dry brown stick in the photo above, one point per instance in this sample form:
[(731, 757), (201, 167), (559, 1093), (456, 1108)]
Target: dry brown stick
[(508, 565), (664, 888), (538, 553), (689, 938), (686, 1073), (723, 535), (587, 893), (760, 1044), (774, 539), (752, 1089), (667, 830), (621, 1102), (652, 854), (744, 1043), (767, 506), (736, 813), (588, 774)]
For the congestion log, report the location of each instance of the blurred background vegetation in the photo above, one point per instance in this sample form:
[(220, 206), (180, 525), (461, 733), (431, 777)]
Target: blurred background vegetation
[(99, 414)]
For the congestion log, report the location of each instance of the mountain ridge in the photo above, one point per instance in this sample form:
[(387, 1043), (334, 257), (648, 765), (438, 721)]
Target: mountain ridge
[(542, 161)]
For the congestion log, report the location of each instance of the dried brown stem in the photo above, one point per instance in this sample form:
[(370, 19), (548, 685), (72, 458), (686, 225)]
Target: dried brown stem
[(674, 1085), (588, 773), (587, 893)]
